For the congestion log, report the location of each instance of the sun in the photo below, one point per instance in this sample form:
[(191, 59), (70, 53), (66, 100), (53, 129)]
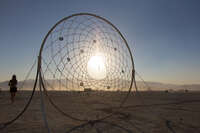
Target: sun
[(96, 67)]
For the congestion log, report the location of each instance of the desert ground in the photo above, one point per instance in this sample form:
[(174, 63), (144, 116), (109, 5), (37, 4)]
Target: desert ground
[(144, 112)]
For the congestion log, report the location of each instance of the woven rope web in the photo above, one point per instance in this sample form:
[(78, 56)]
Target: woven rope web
[(86, 53), (72, 44)]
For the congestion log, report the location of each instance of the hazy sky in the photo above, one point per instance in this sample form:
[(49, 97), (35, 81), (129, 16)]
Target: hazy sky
[(164, 35)]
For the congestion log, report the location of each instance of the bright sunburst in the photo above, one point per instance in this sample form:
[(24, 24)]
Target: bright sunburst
[(96, 67)]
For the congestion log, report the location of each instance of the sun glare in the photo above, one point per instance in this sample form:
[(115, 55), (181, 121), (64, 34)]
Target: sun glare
[(96, 67)]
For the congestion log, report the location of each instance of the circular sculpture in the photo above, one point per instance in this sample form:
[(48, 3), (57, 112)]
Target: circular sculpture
[(86, 53)]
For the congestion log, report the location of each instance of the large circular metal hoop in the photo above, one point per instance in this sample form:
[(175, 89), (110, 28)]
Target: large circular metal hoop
[(109, 23)]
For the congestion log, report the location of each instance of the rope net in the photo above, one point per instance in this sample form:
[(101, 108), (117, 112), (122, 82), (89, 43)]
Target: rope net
[(86, 55), (77, 46)]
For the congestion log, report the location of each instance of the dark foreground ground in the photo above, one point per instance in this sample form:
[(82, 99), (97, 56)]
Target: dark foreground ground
[(147, 112)]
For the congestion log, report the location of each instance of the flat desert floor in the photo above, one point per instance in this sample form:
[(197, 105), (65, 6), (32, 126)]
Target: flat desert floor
[(146, 112)]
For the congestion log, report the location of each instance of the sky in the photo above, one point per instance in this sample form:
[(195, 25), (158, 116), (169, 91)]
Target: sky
[(164, 35)]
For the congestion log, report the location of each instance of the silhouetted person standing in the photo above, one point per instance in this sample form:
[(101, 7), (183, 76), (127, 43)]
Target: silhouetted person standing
[(13, 87)]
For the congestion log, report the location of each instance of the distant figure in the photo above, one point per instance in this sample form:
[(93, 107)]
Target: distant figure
[(13, 87), (87, 89), (166, 91)]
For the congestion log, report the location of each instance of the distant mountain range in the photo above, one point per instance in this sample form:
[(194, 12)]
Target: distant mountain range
[(170, 87), (154, 86)]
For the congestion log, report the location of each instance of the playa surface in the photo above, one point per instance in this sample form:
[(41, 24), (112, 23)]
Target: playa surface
[(148, 112)]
